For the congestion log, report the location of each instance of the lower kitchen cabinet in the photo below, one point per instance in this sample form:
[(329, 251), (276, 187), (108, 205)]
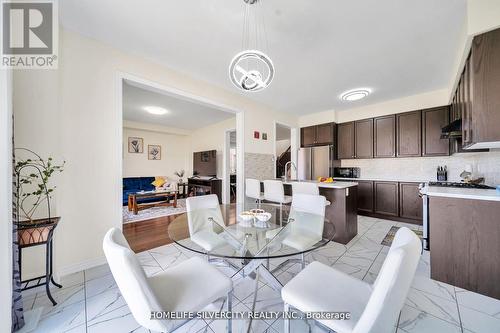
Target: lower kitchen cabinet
[(365, 196), (386, 198), (410, 202), (464, 244)]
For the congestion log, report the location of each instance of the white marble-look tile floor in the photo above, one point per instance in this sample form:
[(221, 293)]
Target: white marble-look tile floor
[(91, 302)]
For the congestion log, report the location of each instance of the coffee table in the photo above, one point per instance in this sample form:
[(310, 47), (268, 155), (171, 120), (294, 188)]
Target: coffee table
[(133, 199)]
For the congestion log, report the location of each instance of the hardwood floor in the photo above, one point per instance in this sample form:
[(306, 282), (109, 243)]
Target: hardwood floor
[(146, 235)]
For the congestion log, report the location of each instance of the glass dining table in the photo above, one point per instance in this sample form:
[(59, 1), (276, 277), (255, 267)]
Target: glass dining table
[(249, 236)]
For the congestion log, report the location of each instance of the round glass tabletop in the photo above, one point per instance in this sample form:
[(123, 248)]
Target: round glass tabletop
[(250, 231)]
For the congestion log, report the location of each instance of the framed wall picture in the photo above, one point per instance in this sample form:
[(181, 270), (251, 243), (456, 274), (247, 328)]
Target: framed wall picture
[(154, 152), (135, 145), (264, 136), (256, 134)]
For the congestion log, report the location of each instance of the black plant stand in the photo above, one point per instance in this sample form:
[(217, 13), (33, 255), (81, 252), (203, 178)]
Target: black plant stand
[(38, 233)]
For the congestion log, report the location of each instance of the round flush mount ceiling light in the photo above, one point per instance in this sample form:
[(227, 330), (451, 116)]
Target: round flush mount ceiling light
[(156, 110), (355, 94)]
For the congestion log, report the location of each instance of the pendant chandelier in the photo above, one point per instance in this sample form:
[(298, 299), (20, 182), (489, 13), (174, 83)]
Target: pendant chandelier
[(251, 69)]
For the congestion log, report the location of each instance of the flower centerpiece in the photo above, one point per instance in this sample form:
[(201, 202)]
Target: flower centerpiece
[(180, 174)]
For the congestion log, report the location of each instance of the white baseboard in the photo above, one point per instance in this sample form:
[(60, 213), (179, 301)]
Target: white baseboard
[(78, 267)]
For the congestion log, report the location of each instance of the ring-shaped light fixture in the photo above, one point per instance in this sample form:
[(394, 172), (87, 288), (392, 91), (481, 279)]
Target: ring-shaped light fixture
[(355, 94), (251, 70)]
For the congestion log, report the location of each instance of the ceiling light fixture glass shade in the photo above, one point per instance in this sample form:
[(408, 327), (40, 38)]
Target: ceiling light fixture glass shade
[(156, 110), (252, 69), (355, 95)]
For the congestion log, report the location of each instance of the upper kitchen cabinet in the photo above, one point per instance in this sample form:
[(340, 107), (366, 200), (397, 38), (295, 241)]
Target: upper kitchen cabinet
[(363, 138), (385, 136), (307, 136), (318, 135), (433, 120), (409, 134), (482, 100), (345, 142), (325, 134)]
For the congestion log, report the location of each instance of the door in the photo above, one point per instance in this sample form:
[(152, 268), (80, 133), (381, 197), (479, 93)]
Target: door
[(324, 134), (308, 136), (346, 140), (321, 162), (364, 138), (433, 120), (365, 196), (304, 168), (386, 198), (410, 202), (385, 136), (409, 134)]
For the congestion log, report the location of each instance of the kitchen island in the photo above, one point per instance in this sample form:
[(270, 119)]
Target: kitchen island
[(342, 211)]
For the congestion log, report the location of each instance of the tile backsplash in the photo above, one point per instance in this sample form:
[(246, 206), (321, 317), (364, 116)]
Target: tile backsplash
[(485, 165), (259, 166)]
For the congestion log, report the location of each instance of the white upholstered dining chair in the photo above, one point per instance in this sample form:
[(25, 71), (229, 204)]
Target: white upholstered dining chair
[(374, 308), (199, 210), (306, 188), (307, 219), (188, 286)]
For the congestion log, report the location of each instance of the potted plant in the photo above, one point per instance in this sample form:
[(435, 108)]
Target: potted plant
[(32, 176), (180, 174)]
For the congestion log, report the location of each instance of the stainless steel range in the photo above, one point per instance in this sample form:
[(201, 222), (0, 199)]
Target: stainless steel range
[(460, 185), (425, 225)]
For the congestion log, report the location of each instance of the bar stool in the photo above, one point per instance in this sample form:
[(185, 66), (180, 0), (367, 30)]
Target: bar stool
[(252, 190), (275, 192), (307, 188)]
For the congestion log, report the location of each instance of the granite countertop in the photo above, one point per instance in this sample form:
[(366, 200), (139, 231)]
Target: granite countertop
[(335, 184), (462, 193), (386, 179)]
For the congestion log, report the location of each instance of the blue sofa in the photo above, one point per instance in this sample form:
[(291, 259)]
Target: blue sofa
[(136, 184)]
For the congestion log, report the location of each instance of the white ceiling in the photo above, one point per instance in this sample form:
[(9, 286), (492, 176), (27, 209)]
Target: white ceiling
[(182, 114), (320, 48)]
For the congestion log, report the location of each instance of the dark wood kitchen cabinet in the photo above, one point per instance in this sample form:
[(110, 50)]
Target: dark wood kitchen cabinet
[(409, 134), (363, 142), (386, 198), (318, 135), (464, 244), (345, 140), (483, 80), (410, 202), (433, 120), (324, 134), (365, 196), (384, 141), (307, 136)]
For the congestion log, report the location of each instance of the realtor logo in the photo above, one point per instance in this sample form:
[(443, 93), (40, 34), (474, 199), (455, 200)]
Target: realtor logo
[(29, 34)]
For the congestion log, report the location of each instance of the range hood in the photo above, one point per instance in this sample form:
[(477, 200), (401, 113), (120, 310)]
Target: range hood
[(452, 130)]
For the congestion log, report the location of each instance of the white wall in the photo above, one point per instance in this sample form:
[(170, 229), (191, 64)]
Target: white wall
[(211, 138), (174, 154), (482, 16), (410, 103), (73, 113), (5, 199)]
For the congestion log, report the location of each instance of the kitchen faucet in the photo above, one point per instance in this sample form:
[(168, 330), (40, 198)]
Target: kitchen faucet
[(286, 173)]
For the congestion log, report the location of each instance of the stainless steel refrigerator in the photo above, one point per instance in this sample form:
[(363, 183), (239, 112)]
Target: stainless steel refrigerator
[(314, 162)]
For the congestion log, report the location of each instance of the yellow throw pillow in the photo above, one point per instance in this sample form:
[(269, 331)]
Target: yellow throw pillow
[(159, 182)]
